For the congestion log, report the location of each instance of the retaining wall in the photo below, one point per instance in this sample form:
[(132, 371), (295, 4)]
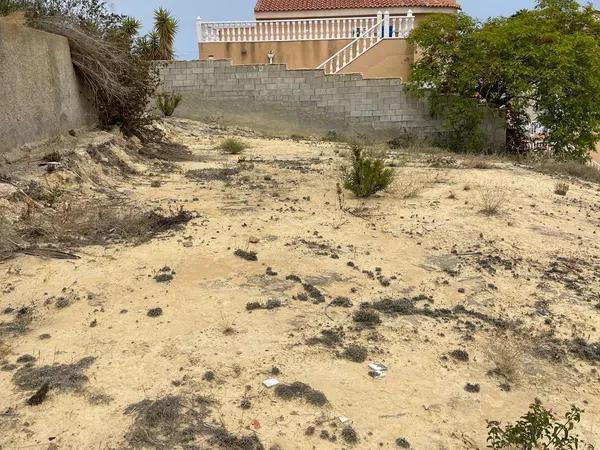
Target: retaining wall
[(40, 95), (276, 100)]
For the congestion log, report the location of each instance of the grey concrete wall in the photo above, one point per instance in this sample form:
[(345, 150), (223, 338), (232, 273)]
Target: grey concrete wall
[(280, 101), (40, 95)]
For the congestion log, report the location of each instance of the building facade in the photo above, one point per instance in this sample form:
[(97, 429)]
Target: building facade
[(338, 36)]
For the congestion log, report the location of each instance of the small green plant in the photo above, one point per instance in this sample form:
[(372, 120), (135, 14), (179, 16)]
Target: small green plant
[(167, 103), (332, 136), (561, 188), (538, 429), (233, 146), (367, 175)]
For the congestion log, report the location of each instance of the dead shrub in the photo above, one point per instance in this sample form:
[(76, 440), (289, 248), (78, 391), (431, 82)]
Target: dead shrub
[(569, 167), (409, 186), (561, 188), (88, 223), (493, 199), (507, 356), (167, 422), (119, 82), (63, 377), (477, 162)]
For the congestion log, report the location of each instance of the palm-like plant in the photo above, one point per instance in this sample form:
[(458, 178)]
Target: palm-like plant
[(130, 28), (166, 27)]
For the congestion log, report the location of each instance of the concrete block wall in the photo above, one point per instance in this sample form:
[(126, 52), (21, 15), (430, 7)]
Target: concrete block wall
[(276, 100), (40, 95)]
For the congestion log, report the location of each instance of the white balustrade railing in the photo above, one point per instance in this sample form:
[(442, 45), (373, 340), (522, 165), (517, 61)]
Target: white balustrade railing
[(302, 29), (354, 49), (594, 164)]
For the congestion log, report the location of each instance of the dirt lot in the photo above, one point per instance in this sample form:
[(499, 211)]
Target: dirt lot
[(164, 342)]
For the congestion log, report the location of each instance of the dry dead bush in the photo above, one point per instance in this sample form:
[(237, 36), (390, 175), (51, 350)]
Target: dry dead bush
[(493, 199), (409, 186), (4, 351), (561, 188), (86, 223), (477, 162), (507, 356)]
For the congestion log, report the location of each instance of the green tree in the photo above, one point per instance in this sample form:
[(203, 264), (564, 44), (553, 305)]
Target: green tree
[(538, 65), (166, 27)]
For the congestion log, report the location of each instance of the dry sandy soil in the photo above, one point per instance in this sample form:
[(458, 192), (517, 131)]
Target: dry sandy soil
[(517, 292)]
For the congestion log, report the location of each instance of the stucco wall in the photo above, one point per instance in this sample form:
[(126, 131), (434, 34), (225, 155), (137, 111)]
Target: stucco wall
[(390, 58), (40, 95), (276, 100), (296, 54)]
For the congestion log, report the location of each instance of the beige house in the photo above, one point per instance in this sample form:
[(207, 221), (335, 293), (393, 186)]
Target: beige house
[(339, 36)]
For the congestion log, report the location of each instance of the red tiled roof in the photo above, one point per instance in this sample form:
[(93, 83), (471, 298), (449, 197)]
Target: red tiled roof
[(312, 5)]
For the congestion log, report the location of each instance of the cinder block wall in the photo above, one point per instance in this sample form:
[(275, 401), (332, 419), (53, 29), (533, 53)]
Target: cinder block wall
[(40, 96), (280, 101)]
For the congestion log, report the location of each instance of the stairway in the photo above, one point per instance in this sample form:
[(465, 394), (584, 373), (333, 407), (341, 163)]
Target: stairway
[(364, 42)]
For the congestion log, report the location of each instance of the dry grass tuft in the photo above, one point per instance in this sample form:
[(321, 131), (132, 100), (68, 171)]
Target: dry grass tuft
[(477, 162), (507, 356), (493, 199), (561, 188), (409, 186), (233, 146)]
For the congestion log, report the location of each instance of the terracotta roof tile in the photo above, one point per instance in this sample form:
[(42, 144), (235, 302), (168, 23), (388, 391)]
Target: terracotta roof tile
[(312, 5)]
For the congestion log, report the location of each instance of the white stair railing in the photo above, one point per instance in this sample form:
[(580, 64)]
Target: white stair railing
[(354, 49), (594, 164)]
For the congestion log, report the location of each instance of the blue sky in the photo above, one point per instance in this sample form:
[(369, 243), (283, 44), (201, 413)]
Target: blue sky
[(186, 12)]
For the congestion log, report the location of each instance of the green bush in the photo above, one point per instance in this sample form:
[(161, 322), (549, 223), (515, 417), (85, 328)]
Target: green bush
[(167, 103), (367, 175), (539, 428), (233, 146)]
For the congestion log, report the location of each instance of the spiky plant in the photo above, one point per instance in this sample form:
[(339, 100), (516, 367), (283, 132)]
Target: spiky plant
[(166, 27), (167, 103)]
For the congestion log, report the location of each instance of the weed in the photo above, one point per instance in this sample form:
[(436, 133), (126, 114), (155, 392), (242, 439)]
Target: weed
[(507, 356), (460, 355), (233, 146), (167, 103), (409, 186), (366, 176), (539, 428), (477, 162), (298, 390), (570, 167), (367, 317), (561, 188), (350, 435), (492, 200), (356, 353), (332, 136)]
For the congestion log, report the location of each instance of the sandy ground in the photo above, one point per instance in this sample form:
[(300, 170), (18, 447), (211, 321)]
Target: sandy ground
[(527, 279)]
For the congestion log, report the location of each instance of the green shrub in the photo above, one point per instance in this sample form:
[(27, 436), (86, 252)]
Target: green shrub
[(332, 136), (367, 175), (539, 428), (167, 103), (233, 146)]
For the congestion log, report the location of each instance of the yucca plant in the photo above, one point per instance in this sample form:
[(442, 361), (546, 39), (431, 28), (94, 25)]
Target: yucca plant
[(166, 27), (167, 103), (366, 176)]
